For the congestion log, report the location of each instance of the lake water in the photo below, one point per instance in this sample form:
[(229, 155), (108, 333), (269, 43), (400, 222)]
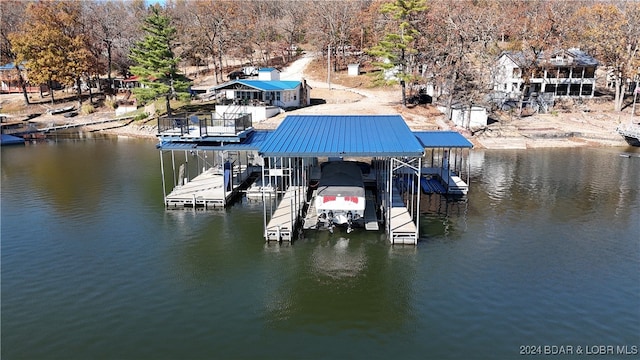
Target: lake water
[(544, 257)]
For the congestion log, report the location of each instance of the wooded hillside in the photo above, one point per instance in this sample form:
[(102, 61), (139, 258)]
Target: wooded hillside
[(451, 44)]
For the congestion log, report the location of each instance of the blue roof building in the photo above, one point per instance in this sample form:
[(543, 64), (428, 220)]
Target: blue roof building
[(264, 97)]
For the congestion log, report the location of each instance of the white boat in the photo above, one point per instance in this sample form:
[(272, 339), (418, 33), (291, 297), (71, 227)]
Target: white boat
[(340, 198)]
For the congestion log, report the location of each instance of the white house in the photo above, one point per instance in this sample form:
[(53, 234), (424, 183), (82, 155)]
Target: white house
[(263, 98), (569, 72)]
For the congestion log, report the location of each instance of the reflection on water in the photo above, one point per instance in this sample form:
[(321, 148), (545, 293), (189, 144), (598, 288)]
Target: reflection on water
[(338, 260), (544, 250)]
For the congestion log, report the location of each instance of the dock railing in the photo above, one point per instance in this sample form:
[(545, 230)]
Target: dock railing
[(204, 125)]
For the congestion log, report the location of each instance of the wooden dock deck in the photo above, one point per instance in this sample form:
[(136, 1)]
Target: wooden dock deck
[(205, 190), (370, 217), (403, 229), (282, 224)]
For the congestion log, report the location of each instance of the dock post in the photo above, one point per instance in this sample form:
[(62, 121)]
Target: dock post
[(164, 187), (173, 166)]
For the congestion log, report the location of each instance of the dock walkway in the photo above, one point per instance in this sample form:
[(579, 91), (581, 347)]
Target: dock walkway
[(403, 229), (281, 226), (370, 217)]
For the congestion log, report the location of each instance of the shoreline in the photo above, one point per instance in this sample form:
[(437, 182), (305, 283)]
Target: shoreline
[(539, 131), (593, 126)]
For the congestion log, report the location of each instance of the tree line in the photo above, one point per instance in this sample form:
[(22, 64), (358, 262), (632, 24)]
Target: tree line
[(450, 44)]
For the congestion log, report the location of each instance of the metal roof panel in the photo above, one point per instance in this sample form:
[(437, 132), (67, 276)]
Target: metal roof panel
[(442, 139), (342, 135)]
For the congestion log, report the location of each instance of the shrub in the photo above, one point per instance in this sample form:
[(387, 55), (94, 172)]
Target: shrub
[(87, 109), (141, 116), (111, 104)]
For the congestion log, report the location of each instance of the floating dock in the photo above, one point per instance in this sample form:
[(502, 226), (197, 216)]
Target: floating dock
[(282, 224), (442, 181), (403, 229), (631, 133), (205, 190)]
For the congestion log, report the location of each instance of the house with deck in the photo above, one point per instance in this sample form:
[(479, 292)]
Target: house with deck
[(10, 80), (263, 98), (566, 72)]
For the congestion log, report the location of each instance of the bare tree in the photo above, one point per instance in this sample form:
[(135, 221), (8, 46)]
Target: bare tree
[(611, 32), (11, 15), (332, 24), (111, 28)]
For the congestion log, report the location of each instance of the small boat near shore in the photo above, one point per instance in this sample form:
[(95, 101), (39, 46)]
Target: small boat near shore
[(61, 110)]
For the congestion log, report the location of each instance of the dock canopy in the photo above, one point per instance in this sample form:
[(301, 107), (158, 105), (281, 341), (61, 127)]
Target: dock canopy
[(252, 142), (342, 136), (442, 139)]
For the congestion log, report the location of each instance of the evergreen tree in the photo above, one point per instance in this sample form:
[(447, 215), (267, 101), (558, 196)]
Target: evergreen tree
[(397, 45), (157, 66)]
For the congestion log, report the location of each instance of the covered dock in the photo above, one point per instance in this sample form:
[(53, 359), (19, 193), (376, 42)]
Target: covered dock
[(209, 173), (384, 141), (401, 166), (443, 169)]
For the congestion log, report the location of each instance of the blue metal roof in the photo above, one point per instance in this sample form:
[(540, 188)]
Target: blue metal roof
[(271, 85), (12, 66), (442, 139), (252, 142), (342, 135), (263, 85)]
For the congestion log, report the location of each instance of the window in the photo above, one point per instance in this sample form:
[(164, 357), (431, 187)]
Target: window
[(589, 72), (516, 73), (563, 73), (576, 73), (562, 90), (574, 89)]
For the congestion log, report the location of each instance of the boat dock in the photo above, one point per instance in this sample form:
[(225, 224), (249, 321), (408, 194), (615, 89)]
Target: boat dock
[(631, 133), (290, 157), (442, 181)]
